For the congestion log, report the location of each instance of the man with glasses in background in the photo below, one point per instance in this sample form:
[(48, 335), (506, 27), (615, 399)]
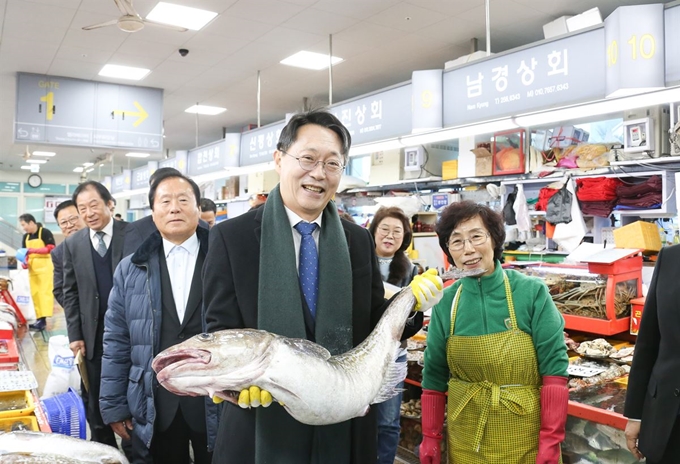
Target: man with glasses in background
[(69, 222), (90, 259), (263, 271)]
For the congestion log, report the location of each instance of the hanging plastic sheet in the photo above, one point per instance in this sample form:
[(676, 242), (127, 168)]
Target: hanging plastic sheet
[(569, 235)]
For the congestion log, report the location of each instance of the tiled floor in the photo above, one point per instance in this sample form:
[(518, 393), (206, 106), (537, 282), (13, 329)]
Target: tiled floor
[(34, 345)]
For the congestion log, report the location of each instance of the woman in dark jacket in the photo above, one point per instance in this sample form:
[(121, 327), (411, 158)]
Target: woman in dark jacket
[(391, 230)]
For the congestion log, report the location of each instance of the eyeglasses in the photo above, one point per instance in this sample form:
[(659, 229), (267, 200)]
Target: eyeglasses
[(70, 221), (385, 231), (476, 239), (309, 163)]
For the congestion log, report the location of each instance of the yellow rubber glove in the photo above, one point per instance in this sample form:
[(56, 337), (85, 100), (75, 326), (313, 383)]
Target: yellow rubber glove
[(428, 289), (253, 397)]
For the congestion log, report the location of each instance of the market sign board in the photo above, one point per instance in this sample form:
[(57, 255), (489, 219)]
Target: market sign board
[(214, 156), (179, 162), (65, 111), (141, 175), (10, 187), (672, 45), (121, 182), (428, 100), (45, 188), (556, 73), (634, 37), (380, 116), (258, 145)]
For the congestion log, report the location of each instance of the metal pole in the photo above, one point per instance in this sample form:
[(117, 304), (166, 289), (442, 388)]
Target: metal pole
[(488, 27), (196, 127), (330, 69), (259, 89)]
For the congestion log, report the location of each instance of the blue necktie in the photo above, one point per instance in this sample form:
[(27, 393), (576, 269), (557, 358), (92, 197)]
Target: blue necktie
[(309, 265)]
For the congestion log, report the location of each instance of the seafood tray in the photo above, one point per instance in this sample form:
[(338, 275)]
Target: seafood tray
[(587, 442), (21, 423), (16, 403)]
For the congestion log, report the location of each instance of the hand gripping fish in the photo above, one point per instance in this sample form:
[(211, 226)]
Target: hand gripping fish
[(314, 387)]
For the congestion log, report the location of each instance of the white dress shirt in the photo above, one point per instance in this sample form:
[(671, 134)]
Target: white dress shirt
[(181, 261), (297, 238), (108, 235)]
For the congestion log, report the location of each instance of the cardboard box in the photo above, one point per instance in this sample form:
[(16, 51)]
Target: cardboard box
[(450, 170), (639, 234), (483, 162)]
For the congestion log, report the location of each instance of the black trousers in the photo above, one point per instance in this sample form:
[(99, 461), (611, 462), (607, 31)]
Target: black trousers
[(101, 432), (171, 446), (671, 454)]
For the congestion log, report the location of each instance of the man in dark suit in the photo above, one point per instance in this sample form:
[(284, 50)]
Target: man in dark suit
[(263, 271), (90, 258), (165, 273), (653, 396), (141, 229), (69, 222)]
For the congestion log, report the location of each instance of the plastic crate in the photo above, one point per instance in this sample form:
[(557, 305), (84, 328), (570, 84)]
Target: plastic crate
[(639, 234), (66, 414), (16, 397), (12, 424)]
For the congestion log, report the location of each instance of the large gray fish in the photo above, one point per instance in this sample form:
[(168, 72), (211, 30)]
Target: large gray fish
[(54, 448), (314, 387)]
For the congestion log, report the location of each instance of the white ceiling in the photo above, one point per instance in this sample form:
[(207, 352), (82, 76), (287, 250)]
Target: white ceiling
[(382, 42)]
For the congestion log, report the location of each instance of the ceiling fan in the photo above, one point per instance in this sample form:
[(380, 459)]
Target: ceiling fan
[(26, 154), (131, 21)]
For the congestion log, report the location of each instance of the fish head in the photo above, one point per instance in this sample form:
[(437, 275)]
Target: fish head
[(211, 363)]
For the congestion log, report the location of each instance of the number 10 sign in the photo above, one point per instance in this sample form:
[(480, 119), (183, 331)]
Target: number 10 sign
[(635, 49)]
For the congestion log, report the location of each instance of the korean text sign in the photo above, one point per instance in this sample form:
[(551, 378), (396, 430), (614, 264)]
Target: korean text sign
[(564, 71)]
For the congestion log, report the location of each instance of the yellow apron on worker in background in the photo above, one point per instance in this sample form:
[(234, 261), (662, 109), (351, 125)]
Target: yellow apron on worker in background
[(494, 406), (40, 275)]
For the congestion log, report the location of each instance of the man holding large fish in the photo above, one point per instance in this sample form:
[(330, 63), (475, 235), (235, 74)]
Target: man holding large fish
[(263, 271)]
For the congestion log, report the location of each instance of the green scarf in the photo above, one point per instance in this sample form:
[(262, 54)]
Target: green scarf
[(280, 439)]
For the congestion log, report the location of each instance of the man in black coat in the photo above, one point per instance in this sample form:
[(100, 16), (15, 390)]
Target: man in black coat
[(69, 222), (653, 396), (250, 280)]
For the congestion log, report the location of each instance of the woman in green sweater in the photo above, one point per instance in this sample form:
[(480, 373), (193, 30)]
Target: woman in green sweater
[(495, 343)]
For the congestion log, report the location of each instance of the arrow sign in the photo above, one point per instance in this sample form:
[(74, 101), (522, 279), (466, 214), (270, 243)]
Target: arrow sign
[(140, 113)]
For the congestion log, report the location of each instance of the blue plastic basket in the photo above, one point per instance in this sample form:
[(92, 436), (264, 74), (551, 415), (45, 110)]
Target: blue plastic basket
[(66, 414)]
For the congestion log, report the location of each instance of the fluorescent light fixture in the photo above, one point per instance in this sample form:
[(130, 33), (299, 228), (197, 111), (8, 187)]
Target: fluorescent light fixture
[(133, 154), (78, 169), (27, 167), (203, 109), (87, 165), (310, 60), (44, 153), (375, 147), (459, 132), (598, 108), (89, 170), (124, 72), (178, 15), (32, 161)]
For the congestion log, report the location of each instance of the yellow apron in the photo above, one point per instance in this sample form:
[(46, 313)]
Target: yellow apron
[(40, 275), (494, 406)]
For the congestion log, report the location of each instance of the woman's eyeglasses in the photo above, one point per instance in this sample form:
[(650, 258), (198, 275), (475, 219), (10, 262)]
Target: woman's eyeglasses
[(385, 231), (476, 239)]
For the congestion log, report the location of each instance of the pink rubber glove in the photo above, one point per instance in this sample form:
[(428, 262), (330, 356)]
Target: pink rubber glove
[(432, 404), (554, 404)]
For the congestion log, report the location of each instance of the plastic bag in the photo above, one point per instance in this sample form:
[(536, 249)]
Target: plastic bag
[(21, 292), (570, 235), (64, 373), (559, 206), (522, 210)]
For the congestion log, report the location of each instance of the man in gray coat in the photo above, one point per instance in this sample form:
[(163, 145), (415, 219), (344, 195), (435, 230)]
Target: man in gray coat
[(90, 258)]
